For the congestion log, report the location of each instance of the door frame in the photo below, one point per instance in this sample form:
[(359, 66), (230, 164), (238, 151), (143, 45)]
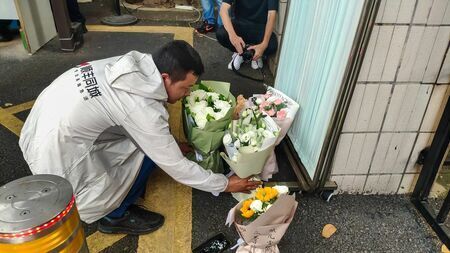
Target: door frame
[(427, 176)]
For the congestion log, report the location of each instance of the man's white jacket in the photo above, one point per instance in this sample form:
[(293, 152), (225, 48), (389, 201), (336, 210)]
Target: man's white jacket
[(94, 124)]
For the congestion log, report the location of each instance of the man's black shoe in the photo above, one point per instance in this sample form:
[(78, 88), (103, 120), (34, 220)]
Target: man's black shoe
[(136, 221), (206, 28)]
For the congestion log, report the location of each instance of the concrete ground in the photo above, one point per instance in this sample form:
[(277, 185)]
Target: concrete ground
[(364, 223)]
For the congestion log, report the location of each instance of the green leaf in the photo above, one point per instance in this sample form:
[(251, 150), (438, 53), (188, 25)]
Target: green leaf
[(204, 87), (210, 118), (281, 106), (210, 101)]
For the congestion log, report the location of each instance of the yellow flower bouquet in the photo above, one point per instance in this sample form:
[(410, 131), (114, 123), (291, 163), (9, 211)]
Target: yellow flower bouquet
[(262, 219)]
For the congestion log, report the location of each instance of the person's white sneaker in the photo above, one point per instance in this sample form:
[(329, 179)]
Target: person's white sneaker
[(258, 64), (237, 60)]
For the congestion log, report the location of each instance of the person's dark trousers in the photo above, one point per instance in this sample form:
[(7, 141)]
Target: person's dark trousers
[(5, 34), (138, 188), (75, 13), (251, 33)]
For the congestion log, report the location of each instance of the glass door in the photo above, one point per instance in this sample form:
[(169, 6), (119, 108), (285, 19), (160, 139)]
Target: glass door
[(316, 48)]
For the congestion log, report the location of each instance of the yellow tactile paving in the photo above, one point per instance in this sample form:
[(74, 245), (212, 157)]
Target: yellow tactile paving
[(164, 194)]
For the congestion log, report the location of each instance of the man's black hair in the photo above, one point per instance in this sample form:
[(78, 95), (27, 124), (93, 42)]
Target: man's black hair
[(177, 58)]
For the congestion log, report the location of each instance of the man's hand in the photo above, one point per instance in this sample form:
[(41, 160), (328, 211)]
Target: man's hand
[(238, 43), (259, 50), (237, 184), (185, 148)]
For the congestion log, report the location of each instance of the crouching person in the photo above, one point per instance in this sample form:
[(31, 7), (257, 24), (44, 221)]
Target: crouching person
[(104, 127)]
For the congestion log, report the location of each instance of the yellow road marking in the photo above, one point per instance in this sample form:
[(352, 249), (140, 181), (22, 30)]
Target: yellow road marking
[(164, 194), (180, 33), (19, 108), (174, 201), (11, 122), (99, 241)]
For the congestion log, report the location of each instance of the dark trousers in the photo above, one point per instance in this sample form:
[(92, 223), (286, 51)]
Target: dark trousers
[(138, 188), (74, 12), (252, 34), (4, 25)]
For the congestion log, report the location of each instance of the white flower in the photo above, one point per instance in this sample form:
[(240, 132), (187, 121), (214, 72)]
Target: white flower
[(251, 133), (258, 101), (219, 115), (200, 94), (281, 189), (245, 137), (210, 111), (200, 120), (190, 100), (214, 96), (267, 207), (227, 139), (253, 142), (244, 114), (223, 106), (237, 144), (198, 107), (256, 206)]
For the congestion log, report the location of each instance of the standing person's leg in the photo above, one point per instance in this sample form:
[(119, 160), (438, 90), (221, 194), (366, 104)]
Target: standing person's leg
[(209, 20), (129, 218), (219, 19)]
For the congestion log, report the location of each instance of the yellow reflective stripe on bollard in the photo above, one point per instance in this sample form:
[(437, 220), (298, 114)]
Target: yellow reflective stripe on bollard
[(60, 239)]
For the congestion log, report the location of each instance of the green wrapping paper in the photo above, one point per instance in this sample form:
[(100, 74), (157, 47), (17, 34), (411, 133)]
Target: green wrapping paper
[(208, 140)]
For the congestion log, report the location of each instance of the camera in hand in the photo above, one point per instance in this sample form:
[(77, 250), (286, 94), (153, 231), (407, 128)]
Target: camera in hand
[(248, 54)]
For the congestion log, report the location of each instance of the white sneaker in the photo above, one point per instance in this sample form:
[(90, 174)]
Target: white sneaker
[(258, 64), (236, 60)]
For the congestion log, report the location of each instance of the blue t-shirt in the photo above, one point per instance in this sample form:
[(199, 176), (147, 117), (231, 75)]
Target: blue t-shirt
[(254, 11)]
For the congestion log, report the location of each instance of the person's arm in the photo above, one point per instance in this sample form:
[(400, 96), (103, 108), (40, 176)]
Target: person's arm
[(237, 41), (149, 128), (261, 47)]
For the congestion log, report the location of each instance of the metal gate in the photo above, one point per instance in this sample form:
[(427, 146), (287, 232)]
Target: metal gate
[(431, 195)]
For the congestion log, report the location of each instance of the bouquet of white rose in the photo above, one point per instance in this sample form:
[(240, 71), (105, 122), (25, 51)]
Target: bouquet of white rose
[(249, 142), (263, 218), (283, 110), (206, 115)]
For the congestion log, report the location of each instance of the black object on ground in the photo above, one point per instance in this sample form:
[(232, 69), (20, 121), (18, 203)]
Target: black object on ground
[(216, 244)]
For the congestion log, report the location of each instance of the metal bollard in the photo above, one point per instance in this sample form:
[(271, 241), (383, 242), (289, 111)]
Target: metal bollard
[(38, 214)]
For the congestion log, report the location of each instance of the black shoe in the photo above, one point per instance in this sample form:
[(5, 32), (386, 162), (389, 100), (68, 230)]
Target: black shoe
[(206, 28), (136, 221)]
